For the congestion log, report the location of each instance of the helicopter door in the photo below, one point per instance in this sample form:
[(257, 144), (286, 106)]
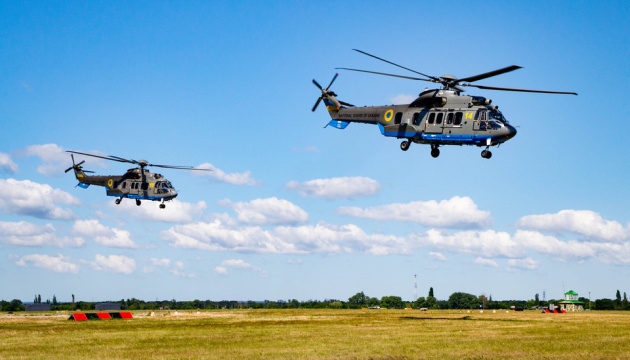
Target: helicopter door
[(481, 120), (434, 123)]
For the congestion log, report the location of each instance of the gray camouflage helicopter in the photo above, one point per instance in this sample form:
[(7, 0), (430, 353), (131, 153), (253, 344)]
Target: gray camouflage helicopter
[(437, 117), (137, 183)]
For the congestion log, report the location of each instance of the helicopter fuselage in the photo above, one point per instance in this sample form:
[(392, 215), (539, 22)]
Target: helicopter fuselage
[(436, 117), (140, 184)]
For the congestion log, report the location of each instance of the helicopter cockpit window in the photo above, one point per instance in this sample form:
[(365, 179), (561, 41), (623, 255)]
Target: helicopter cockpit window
[(481, 115), (431, 118), (496, 115), (168, 185), (458, 118)]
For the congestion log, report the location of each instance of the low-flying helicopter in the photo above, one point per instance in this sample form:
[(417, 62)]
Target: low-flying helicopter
[(137, 183), (437, 117)]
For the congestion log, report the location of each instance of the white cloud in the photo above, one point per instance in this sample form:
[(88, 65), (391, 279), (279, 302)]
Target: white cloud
[(39, 200), (482, 243), (437, 256), (223, 268), (458, 212), (27, 234), (175, 268), (103, 235), (175, 212), (336, 188), (60, 264), (524, 264), (582, 222), (161, 262), (114, 263), (243, 178), (178, 270), (485, 262), (270, 211), (402, 99), (55, 159), (222, 235), (6, 164)]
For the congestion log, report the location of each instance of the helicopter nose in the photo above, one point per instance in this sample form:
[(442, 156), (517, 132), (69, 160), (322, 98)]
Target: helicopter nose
[(174, 193), (511, 131)]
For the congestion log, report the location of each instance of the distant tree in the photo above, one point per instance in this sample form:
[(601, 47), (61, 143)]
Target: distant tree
[(604, 304), (39, 298), (373, 301), (357, 300), (624, 302), (618, 298), (484, 301), (460, 300), (537, 299), (54, 302), (72, 301), (431, 292), (392, 302)]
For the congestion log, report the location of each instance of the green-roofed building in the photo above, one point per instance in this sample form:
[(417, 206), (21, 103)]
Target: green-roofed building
[(571, 302)]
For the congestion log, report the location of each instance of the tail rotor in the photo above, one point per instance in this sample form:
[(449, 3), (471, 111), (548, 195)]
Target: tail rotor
[(328, 94)]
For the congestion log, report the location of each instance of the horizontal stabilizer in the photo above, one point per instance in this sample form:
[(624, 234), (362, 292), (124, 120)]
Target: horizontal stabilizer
[(338, 124)]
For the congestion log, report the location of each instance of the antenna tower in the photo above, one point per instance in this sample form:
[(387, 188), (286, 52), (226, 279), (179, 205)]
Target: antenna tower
[(415, 287), (544, 298)]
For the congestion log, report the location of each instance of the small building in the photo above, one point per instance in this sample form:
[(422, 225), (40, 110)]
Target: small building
[(571, 302), (107, 306), (36, 307)]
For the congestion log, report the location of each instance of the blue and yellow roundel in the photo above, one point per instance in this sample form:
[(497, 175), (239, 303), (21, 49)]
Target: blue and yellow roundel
[(389, 114), (110, 183)]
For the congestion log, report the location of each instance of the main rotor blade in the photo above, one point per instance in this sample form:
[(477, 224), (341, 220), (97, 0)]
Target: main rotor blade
[(379, 73), (332, 81), (178, 167), (389, 62), (101, 157), (345, 104), (317, 84), (317, 103), (520, 90), (68, 169), (488, 74), (124, 160)]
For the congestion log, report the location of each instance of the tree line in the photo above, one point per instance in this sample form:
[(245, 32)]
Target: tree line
[(457, 300)]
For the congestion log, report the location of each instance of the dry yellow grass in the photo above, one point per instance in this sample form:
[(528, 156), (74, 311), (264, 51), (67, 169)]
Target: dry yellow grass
[(322, 334)]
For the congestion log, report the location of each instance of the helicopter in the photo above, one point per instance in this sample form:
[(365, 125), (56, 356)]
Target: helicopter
[(437, 117), (137, 183)]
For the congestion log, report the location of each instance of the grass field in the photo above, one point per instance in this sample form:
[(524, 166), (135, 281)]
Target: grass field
[(321, 334)]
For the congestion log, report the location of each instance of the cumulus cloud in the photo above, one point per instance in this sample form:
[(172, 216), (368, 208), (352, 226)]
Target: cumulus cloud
[(219, 175), (55, 159), (39, 200), (223, 268), (175, 268), (60, 263), (103, 235), (6, 164), (114, 263), (221, 235), (402, 99), (175, 212), (270, 211), (482, 243), (485, 262), (336, 188), (458, 212), (437, 256), (27, 234), (582, 222), (523, 264)]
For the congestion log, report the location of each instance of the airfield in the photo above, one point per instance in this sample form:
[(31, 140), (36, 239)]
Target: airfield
[(320, 334)]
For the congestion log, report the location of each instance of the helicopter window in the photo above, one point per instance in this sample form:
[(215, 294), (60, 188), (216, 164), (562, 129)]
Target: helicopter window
[(398, 118), (458, 118), (431, 118), (124, 184), (415, 119), (496, 115), (440, 116), (449, 118), (168, 185), (480, 115)]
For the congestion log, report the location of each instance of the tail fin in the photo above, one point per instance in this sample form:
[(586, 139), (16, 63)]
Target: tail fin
[(332, 104)]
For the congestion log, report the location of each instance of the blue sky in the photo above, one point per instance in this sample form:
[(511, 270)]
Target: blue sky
[(293, 210)]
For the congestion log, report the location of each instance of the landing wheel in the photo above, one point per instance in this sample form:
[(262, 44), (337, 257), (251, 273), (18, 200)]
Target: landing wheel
[(138, 202), (486, 154), (162, 206), (118, 201), (435, 152), (404, 146)]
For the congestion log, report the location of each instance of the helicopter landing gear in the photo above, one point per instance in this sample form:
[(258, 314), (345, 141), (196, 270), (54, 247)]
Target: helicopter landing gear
[(404, 146), (138, 203), (435, 152), (118, 201), (486, 154), (162, 206)]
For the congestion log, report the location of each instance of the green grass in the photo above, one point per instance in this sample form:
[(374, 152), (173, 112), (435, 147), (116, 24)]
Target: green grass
[(322, 334)]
